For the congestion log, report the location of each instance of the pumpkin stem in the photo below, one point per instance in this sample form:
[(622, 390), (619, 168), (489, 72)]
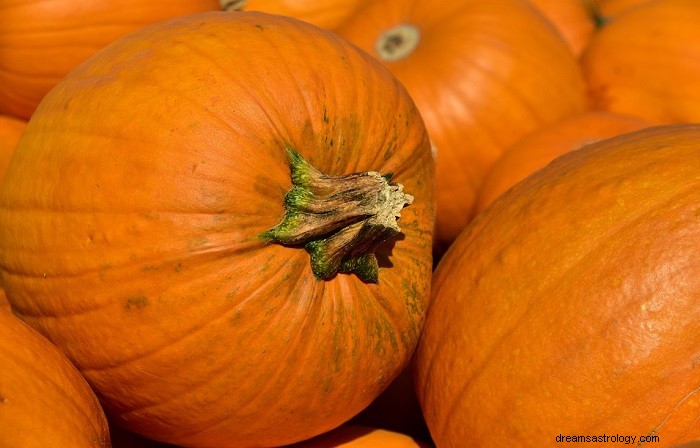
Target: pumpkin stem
[(232, 5), (397, 42), (340, 220)]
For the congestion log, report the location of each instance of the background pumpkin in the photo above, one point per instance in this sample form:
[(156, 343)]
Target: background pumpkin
[(156, 167), (572, 302), (356, 436), (536, 150), (44, 402), (483, 74), (324, 13), (646, 62), (40, 42)]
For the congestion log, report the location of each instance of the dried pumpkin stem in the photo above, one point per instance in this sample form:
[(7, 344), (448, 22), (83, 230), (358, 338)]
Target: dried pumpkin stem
[(398, 42), (232, 5), (340, 220)]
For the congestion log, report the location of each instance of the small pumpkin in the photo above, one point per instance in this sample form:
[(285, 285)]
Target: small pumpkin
[(572, 302), (483, 75), (40, 42), (44, 402), (646, 62), (357, 436), (215, 241), (542, 146), (324, 13)]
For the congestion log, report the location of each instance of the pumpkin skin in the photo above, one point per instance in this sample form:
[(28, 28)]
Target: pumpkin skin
[(611, 8), (357, 436), (572, 18), (324, 13), (230, 340), (572, 302), (40, 42), (10, 131), (44, 402), (641, 63), (483, 75), (536, 150)]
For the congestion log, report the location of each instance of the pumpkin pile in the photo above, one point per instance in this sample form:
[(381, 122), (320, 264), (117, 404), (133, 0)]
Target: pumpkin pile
[(353, 223)]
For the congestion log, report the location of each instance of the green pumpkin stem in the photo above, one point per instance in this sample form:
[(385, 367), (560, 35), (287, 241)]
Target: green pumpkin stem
[(340, 220)]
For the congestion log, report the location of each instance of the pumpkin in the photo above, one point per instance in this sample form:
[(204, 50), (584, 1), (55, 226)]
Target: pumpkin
[(40, 42), (573, 19), (537, 149), (571, 303), (324, 13), (483, 74), (646, 62), (44, 402), (357, 436), (210, 231)]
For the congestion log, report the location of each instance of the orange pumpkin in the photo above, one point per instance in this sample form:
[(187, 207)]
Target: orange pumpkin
[(324, 13), (646, 62), (483, 74), (40, 42), (572, 303), (536, 150), (44, 402), (214, 239), (573, 19), (356, 436)]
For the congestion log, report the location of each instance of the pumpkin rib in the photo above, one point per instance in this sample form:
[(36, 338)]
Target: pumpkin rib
[(499, 341), (192, 331)]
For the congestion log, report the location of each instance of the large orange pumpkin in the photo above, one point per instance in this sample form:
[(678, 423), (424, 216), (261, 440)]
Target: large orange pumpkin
[(40, 42), (357, 436), (324, 13), (44, 402), (646, 62), (537, 149), (483, 74), (572, 305), (209, 230)]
